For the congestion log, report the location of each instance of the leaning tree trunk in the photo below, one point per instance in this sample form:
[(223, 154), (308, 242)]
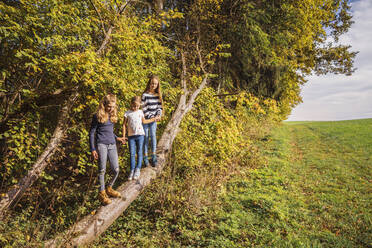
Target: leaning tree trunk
[(91, 226), (13, 195), (17, 191)]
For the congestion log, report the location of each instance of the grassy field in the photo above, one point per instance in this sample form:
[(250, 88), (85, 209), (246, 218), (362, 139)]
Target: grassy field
[(316, 190), (313, 190)]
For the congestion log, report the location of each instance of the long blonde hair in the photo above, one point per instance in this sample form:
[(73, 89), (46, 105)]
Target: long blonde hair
[(157, 90), (102, 115)]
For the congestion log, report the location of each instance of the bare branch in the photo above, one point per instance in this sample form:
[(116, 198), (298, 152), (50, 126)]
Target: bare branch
[(198, 50), (183, 73), (105, 41), (123, 7), (196, 93), (100, 17)]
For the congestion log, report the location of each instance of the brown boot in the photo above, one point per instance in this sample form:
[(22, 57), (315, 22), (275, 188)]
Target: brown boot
[(104, 198), (112, 192)]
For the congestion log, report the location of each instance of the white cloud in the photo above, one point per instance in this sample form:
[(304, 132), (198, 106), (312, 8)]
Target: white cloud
[(339, 97)]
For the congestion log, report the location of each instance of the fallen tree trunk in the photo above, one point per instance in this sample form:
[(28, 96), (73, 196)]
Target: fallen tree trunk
[(91, 226)]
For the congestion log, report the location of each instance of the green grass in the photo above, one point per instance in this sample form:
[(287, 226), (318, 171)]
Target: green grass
[(313, 190)]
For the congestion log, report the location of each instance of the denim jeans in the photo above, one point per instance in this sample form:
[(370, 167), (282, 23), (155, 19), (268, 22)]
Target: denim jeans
[(109, 151), (135, 144), (150, 131)]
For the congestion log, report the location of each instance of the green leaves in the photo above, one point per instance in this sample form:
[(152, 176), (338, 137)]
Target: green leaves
[(24, 140)]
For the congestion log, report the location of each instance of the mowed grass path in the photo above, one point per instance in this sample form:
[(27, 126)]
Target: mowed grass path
[(314, 191)]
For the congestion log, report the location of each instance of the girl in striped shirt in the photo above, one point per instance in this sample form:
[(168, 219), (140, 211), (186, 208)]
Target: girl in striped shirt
[(152, 105)]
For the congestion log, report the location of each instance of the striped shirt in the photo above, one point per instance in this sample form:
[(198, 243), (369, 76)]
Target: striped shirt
[(151, 105)]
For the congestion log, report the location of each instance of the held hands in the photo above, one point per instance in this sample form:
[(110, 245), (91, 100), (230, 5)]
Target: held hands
[(95, 155), (157, 118), (123, 140)]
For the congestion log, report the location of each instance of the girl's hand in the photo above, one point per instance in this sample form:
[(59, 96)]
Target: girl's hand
[(95, 155), (157, 118), (122, 140)]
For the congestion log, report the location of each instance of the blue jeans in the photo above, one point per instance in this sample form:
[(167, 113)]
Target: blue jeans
[(109, 151), (150, 131), (135, 141)]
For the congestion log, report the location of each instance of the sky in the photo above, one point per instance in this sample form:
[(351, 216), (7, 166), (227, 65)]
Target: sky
[(340, 97)]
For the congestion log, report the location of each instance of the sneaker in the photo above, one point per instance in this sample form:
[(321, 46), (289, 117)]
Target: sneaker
[(131, 175), (154, 160), (137, 174), (146, 161)]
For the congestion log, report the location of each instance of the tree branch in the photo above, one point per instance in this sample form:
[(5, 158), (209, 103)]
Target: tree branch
[(123, 7), (191, 101), (100, 17), (183, 73), (199, 51)]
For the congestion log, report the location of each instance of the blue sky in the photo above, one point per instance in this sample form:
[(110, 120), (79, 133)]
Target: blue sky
[(339, 97)]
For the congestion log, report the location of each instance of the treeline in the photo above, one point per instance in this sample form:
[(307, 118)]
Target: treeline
[(58, 58)]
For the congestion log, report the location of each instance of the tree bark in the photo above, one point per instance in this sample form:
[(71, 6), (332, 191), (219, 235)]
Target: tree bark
[(91, 226)]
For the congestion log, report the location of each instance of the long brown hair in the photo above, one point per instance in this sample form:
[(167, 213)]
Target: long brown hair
[(157, 90), (102, 115)]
